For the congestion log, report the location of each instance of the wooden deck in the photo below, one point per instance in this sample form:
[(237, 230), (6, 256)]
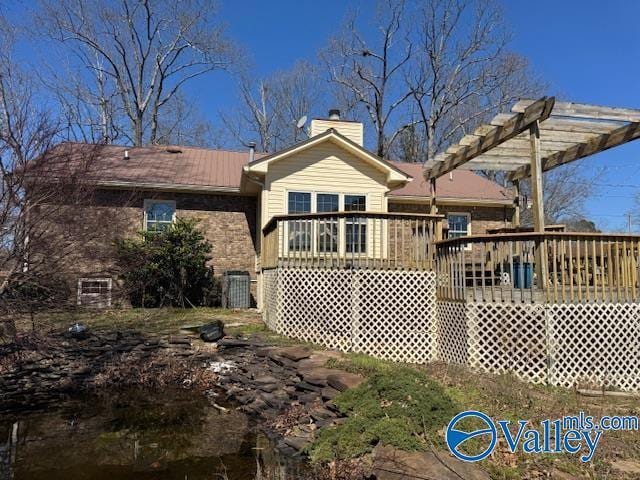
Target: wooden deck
[(551, 267)]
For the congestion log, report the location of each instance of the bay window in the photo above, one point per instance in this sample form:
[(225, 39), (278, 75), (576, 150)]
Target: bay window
[(326, 235)]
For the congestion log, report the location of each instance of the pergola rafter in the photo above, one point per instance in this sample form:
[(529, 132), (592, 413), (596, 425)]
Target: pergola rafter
[(567, 132), (458, 155)]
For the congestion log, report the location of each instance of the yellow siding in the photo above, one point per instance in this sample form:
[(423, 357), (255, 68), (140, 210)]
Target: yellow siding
[(326, 168), (352, 130)]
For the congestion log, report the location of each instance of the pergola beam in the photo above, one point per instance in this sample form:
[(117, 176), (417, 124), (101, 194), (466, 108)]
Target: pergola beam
[(581, 110), (537, 111), (602, 142)]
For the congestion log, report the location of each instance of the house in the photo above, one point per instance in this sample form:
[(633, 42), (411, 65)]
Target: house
[(363, 254), (236, 194)]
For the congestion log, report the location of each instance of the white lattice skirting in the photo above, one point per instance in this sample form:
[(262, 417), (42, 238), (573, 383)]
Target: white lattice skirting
[(385, 313), (395, 315), (593, 345)]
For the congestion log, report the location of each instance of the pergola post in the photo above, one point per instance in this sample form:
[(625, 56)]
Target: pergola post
[(516, 213), (434, 208), (538, 202)]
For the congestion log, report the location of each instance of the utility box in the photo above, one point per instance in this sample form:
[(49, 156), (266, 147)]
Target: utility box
[(236, 289)]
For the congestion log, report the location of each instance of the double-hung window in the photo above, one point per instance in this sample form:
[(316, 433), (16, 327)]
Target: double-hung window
[(459, 224), (356, 228), (159, 214), (328, 227), (299, 230)]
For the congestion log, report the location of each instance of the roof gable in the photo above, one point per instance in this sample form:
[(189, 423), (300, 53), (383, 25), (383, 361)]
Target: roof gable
[(395, 176)]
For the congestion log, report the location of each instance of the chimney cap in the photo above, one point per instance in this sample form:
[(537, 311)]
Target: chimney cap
[(334, 114), (251, 144)]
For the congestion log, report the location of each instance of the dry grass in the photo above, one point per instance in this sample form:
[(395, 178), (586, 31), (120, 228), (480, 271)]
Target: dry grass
[(504, 397), (156, 320)]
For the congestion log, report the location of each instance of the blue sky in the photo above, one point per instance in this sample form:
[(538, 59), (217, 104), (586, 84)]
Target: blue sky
[(588, 51)]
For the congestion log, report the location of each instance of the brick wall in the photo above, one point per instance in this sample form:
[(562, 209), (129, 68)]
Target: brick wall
[(88, 231), (483, 218)]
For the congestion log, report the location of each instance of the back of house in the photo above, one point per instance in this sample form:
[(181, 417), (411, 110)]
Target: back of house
[(235, 195)]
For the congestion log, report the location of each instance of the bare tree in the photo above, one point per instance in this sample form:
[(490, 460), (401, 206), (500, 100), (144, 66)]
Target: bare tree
[(184, 125), (370, 73), (42, 187), (438, 69), (136, 55), (271, 107), (566, 189)]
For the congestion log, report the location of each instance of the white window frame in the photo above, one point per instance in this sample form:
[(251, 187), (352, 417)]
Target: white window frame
[(463, 214), (365, 223), (81, 295), (152, 201), (314, 208), (342, 243)]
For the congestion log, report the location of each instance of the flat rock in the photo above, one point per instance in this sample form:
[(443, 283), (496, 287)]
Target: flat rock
[(295, 353), (329, 393), (175, 340), (231, 343), (318, 376), (297, 443), (392, 464), (314, 361), (321, 413), (268, 387), (344, 380), (265, 379)]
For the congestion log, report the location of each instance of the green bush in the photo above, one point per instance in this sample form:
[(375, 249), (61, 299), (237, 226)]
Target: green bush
[(169, 268), (399, 406)]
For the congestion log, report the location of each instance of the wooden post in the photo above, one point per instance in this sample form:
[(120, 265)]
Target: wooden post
[(538, 202), (516, 214), (434, 208)]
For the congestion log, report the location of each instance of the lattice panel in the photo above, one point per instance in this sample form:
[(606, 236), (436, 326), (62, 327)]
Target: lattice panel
[(595, 344), (315, 305), (270, 290), (394, 315), (507, 337), (453, 338)]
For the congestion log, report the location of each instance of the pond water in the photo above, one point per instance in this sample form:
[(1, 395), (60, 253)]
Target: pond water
[(138, 435)]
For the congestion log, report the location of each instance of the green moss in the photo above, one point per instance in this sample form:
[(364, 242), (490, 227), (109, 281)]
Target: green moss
[(501, 472), (396, 406), (362, 364)]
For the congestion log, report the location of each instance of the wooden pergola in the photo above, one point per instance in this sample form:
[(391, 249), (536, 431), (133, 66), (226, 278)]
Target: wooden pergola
[(536, 137)]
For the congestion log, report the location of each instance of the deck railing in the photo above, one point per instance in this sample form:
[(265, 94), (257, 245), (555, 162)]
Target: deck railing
[(535, 267), (352, 240)]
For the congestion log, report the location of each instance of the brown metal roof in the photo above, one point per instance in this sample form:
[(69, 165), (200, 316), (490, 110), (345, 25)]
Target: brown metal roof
[(203, 167), (175, 165), (463, 184)]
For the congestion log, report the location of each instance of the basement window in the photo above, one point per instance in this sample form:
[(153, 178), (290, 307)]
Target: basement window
[(94, 292)]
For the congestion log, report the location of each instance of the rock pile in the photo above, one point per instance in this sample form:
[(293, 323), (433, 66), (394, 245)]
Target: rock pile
[(51, 368), (288, 387)]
